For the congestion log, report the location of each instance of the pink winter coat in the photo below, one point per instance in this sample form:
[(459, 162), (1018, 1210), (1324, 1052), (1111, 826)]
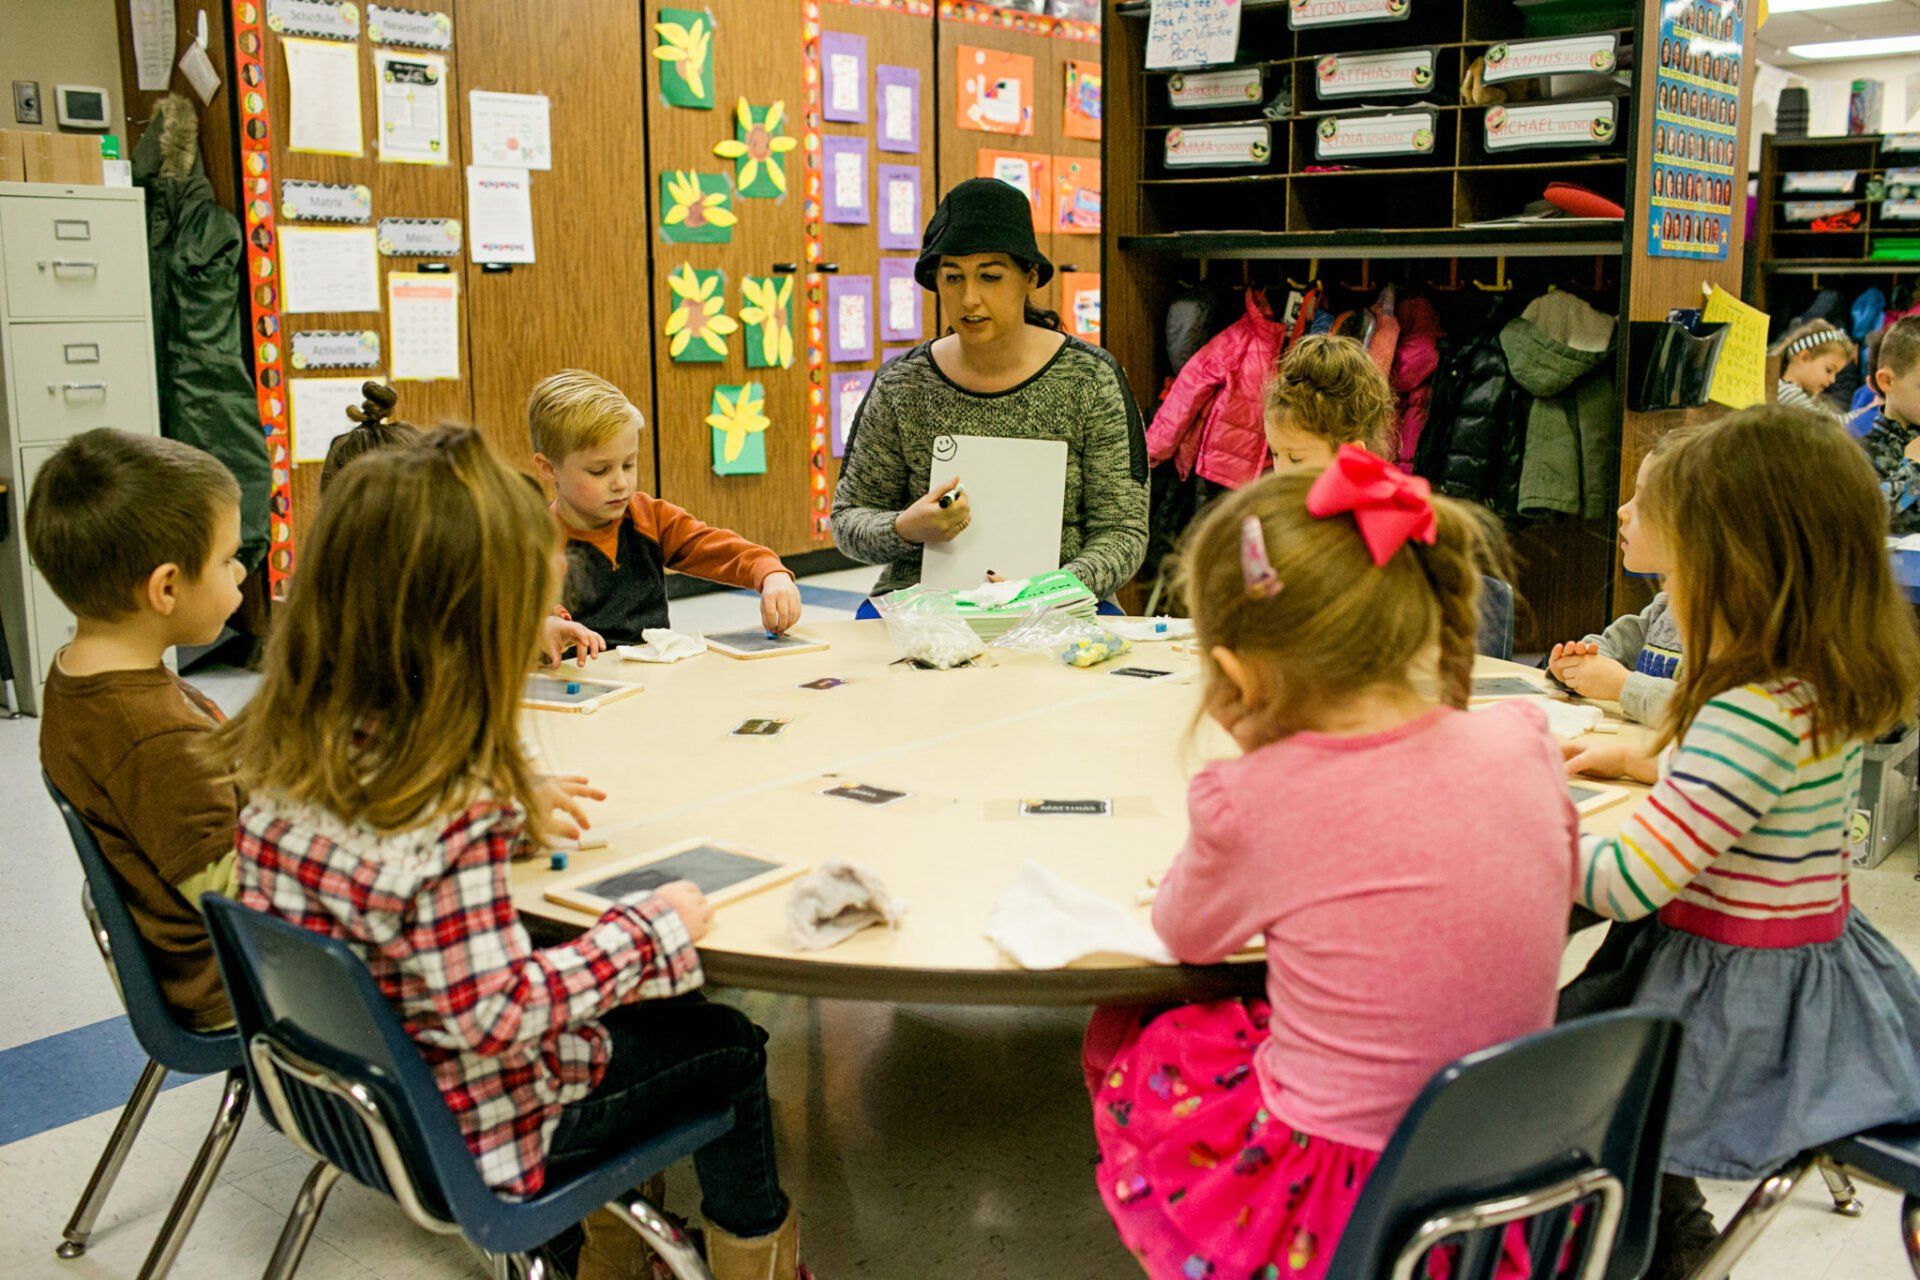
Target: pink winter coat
[(1414, 361), (1213, 419)]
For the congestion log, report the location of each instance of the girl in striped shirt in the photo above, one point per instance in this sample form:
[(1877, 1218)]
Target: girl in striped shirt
[(1802, 1021)]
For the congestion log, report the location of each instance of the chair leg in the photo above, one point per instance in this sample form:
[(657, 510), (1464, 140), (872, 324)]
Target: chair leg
[(292, 1245), (1846, 1200), (1761, 1208), (1910, 1232), (666, 1240), (200, 1177), (94, 1198)]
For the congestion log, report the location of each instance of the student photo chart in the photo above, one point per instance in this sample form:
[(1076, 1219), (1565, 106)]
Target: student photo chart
[(1696, 130)]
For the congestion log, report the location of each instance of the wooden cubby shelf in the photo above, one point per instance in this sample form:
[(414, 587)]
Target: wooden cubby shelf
[(1790, 259)]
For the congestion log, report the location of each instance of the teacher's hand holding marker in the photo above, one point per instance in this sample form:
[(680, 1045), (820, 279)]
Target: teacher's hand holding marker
[(941, 516)]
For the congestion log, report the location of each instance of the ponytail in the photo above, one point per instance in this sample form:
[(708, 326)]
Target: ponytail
[(1041, 318), (373, 429)]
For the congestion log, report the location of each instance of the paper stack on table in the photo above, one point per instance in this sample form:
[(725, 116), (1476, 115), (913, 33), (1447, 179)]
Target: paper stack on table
[(1045, 922), (997, 608), (1564, 719)]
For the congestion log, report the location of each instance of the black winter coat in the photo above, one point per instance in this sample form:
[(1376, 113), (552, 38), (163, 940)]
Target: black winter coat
[(1476, 434)]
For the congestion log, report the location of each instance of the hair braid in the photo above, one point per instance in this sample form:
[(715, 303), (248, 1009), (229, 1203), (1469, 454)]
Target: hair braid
[(1463, 551)]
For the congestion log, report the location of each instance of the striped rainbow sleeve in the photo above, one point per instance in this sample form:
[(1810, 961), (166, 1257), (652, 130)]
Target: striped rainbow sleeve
[(1731, 767)]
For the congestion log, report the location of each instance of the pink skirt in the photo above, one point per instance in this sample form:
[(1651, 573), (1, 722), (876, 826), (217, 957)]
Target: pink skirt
[(1201, 1181)]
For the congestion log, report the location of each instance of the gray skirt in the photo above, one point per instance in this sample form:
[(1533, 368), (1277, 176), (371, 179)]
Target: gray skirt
[(1785, 1048)]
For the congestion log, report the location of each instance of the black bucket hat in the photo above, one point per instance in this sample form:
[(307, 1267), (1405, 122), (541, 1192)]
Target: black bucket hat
[(981, 215)]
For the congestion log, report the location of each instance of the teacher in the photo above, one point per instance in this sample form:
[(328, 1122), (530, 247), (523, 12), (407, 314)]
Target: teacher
[(1005, 370)]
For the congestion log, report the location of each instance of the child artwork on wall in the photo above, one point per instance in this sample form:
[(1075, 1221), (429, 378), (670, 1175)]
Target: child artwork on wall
[(902, 301), (1080, 304), (996, 91), (684, 50), (897, 99), (846, 181), (847, 391), (756, 149), (850, 318), (739, 423), (1027, 172), (698, 208), (900, 222), (1076, 203), (843, 74), (767, 311), (697, 325), (1082, 117)]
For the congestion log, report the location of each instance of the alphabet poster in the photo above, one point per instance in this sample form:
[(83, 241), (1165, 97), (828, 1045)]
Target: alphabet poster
[(1696, 130), (996, 91)]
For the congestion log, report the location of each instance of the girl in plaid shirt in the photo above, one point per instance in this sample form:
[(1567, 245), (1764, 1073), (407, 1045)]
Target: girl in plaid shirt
[(389, 792)]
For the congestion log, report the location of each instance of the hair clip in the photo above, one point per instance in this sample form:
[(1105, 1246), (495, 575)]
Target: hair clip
[(1262, 582)]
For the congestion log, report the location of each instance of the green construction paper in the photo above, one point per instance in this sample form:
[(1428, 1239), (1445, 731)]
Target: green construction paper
[(758, 354), (696, 223), (686, 81), (763, 176), (691, 317), (748, 400)]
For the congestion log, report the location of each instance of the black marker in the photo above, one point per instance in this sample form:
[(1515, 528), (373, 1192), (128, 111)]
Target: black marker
[(952, 496)]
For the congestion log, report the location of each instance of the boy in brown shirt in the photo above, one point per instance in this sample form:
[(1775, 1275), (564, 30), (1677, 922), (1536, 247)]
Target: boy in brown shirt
[(139, 537), (620, 541)]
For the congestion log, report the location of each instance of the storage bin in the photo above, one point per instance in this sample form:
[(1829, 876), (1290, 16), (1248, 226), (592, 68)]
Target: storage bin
[(1888, 809), (1671, 362)]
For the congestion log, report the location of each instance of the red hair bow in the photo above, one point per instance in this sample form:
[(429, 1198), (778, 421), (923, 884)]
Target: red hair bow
[(1388, 505)]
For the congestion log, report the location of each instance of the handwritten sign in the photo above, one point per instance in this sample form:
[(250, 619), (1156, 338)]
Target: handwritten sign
[(1192, 33), (1740, 379)]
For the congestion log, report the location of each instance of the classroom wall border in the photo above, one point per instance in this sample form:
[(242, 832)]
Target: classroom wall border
[(1012, 20), (263, 292), (819, 501)]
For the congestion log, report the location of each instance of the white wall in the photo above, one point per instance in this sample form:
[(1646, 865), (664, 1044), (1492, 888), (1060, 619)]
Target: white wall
[(60, 42)]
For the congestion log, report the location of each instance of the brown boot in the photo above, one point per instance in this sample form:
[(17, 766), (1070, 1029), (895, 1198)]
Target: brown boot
[(774, 1256), (614, 1250)]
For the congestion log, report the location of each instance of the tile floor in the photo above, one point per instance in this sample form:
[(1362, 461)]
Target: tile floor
[(921, 1142)]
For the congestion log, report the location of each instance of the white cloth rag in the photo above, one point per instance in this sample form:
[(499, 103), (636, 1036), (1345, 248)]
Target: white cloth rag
[(1045, 922), (663, 645), (1564, 719), (1150, 630), (829, 905)]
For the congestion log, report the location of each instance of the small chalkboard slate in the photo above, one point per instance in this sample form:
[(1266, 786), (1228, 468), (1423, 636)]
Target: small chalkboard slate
[(722, 873), (1587, 798), (1506, 687), (756, 643), (559, 693)]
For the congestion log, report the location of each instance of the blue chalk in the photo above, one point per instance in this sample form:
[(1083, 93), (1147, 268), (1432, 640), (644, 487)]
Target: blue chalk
[(573, 686), (773, 635), (558, 862), (1160, 628)]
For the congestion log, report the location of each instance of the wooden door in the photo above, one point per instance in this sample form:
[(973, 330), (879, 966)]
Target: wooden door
[(753, 53), (583, 303), (896, 40)]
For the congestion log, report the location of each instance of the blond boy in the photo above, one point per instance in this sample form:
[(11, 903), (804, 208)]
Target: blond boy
[(139, 537), (621, 541), (1894, 441)]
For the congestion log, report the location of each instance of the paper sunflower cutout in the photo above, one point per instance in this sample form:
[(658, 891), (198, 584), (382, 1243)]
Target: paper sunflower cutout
[(698, 324), (756, 148), (685, 52), (739, 423), (768, 314), (698, 208)]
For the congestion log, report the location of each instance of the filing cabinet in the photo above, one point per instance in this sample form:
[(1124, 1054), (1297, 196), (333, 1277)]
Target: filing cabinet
[(76, 352)]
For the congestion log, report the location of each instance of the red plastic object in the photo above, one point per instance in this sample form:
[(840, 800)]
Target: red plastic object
[(1838, 222), (1580, 202)]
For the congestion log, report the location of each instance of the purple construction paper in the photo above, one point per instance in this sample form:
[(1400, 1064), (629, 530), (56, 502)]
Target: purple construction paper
[(846, 196), (898, 112), (899, 227), (889, 354), (843, 78), (845, 391), (897, 283), (849, 318)]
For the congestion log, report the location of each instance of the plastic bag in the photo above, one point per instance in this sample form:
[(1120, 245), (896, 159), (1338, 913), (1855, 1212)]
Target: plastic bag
[(1077, 642), (926, 627)]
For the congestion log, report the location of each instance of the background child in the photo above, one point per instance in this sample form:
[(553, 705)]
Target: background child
[(1811, 357), (1894, 440), (1328, 392), (375, 429), (389, 790), (140, 537), (1231, 1146), (1803, 1023), (1633, 662), (620, 541)]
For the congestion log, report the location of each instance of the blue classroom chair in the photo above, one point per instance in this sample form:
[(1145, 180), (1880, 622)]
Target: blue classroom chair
[(1495, 639), (340, 1077), (169, 1045), (1571, 1118)]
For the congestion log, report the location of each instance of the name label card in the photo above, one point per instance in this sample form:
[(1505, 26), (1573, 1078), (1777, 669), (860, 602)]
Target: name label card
[(1229, 146), (1234, 87), (1402, 133), (1552, 124), (302, 201), (1336, 13), (1347, 75), (1569, 56), (1825, 181)]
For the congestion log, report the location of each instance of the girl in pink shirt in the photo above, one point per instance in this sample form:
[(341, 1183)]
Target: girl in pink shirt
[(1408, 865)]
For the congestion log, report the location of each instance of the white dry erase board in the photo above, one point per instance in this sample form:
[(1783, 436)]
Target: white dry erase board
[(723, 872), (1016, 489)]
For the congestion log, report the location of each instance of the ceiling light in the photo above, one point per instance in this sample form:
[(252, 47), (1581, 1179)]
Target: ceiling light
[(1802, 6), (1876, 48)]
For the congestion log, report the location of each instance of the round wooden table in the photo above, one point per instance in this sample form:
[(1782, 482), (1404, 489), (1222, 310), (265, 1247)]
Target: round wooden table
[(968, 745)]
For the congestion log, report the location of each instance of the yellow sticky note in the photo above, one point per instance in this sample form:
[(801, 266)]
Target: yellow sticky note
[(1740, 379)]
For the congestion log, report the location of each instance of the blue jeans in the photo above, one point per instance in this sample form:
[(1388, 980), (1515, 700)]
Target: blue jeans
[(669, 1058)]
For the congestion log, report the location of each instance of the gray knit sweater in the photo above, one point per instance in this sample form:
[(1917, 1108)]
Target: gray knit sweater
[(1647, 644), (1079, 396)]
